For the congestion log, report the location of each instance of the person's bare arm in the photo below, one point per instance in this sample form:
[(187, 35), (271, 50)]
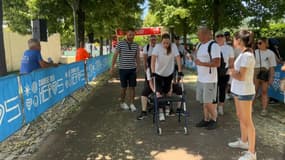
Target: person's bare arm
[(231, 62), (138, 59), (214, 63), (153, 60), (271, 75), (238, 75), (114, 61), (45, 64), (145, 61), (178, 60)]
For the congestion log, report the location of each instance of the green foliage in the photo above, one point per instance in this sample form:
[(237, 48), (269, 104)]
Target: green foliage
[(217, 14), (101, 17), (274, 30)]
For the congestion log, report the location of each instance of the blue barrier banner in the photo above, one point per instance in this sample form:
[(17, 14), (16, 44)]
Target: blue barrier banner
[(75, 77), (90, 66), (97, 66), (44, 88), (274, 89), (11, 118)]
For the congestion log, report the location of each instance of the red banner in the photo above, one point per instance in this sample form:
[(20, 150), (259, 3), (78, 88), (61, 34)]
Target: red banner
[(142, 31)]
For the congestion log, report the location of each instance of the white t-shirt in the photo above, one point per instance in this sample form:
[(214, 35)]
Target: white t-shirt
[(267, 59), (149, 51), (164, 65), (204, 74), (228, 52), (245, 87)]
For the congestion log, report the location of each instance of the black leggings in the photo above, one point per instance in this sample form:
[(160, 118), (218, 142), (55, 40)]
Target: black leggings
[(163, 84), (221, 89)]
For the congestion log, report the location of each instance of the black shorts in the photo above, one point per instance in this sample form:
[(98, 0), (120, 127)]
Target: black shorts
[(128, 77), (163, 84)]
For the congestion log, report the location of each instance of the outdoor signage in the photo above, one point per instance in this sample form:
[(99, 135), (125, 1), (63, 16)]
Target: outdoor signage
[(11, 117), (274, 89), (44, 88), (142, 31)]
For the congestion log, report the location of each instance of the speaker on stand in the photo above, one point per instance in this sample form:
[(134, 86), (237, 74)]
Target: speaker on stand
[(39, 27)]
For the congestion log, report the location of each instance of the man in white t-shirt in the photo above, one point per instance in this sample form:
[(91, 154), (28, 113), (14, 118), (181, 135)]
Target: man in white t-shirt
[(147, 50), (207, 64)]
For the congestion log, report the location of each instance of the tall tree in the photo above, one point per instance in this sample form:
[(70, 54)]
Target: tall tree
[(3, 67)]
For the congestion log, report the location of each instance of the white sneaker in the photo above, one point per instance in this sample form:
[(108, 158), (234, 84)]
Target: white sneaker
[(238, 144), (248, 156), (133, 108), (124, 106), (161, 116), (167, 111), (220, 110)]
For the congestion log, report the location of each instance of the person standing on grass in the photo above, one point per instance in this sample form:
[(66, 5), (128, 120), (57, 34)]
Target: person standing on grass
[(243, 90), (129, 59)]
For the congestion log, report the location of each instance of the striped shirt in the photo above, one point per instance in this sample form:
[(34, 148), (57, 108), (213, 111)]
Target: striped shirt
[(127, 54)]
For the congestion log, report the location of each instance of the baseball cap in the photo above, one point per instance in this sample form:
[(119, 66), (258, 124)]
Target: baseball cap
[(218, 33)]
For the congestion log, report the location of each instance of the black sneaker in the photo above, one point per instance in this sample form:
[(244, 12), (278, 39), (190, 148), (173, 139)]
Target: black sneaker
[(142, 116), (202, 123), (212, 125)]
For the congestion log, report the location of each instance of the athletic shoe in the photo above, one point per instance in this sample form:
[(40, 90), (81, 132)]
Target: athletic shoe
[(142, 116), (124, 106), (133, 108), (167, 111), (220, 110), (202, 123), (263, 112), (248, 156), (161, 116), (238, 144), (212, 125)]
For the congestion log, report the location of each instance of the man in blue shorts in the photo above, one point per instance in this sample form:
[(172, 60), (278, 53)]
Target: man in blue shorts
[(129, 59)]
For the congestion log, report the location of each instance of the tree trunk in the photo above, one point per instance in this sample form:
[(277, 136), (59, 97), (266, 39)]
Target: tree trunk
[(101, 46), (216, 14), (3, 67), (81, 20), (74, 5)]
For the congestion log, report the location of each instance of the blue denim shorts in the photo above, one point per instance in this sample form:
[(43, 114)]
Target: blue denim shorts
[(244, 97)]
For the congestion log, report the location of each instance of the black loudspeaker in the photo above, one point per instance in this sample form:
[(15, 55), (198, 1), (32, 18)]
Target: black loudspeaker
[(40, 29)]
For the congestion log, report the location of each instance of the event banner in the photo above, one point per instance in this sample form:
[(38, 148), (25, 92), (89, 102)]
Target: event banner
[(11, 118), (274, 89), (97, 66), (44, 88)]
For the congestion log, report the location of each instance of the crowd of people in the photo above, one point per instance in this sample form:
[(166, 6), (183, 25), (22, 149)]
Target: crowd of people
[(224, 64)]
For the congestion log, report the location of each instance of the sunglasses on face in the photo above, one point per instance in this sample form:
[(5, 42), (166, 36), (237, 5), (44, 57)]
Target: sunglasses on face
[(259, 43), (218, 36)]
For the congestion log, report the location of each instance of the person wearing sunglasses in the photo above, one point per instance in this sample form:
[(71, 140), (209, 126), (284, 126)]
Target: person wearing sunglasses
[(264, 71), (223, 79)]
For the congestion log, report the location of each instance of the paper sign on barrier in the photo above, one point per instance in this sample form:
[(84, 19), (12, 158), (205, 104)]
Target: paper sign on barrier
[(11, 118)]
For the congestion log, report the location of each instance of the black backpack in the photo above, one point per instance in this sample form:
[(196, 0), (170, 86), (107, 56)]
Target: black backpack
[(222, 70)]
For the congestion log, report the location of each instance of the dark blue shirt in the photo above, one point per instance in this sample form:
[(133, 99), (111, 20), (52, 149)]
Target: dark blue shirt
[(30, 61)]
